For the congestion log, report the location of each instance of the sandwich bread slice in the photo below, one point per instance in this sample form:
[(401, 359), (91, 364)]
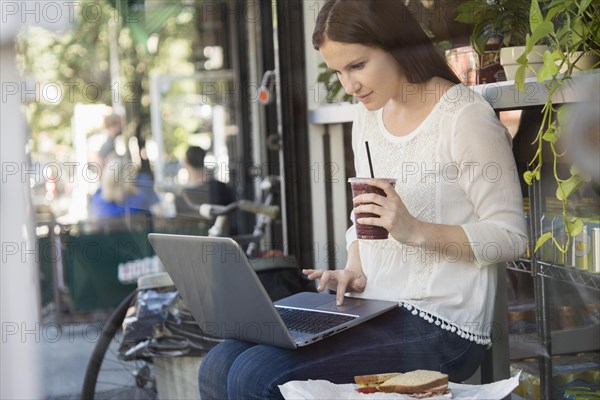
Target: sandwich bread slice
[(369, 383), (420, 384), (375, 379)]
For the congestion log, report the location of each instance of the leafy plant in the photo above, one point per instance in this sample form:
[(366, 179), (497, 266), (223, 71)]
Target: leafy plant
[(571, 28), (332, 85), (507, 19)]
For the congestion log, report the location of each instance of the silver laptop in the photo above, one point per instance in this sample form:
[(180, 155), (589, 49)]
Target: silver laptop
[(219, 286)]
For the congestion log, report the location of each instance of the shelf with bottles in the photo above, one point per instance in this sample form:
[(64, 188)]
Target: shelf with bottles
[(525, 343), (572, 376), (580, 263), (569, 274), (575, 273), (573, 312)]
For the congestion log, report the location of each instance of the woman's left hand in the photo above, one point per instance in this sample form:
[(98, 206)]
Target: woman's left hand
[(393, 214)]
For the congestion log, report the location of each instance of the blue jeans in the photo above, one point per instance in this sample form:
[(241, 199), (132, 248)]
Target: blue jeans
[(394, 341)]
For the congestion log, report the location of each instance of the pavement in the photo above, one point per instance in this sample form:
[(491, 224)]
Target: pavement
[(65, 354), (67, 346), (65, 349)]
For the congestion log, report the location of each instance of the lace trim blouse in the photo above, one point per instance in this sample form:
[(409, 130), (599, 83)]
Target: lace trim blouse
[(456, 168)]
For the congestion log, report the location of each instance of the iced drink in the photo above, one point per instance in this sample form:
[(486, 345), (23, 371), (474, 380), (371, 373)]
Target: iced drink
[(360, 186)]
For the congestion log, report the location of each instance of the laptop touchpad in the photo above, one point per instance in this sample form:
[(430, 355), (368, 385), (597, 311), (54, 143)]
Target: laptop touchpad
[(347, 305)]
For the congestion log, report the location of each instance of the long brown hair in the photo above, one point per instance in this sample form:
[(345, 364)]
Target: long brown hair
[(385, 24)]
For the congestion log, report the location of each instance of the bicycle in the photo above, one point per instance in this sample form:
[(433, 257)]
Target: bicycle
[(122, 367)]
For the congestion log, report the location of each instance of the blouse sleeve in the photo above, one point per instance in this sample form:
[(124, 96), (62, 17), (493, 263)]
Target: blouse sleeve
[(481, 146)]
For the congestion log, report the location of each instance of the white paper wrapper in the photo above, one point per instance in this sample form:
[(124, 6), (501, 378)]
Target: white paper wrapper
[(319, 389)]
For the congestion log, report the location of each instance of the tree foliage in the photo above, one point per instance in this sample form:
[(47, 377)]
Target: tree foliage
[(73, 67)]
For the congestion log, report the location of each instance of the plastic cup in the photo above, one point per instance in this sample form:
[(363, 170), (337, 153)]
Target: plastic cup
[(360, 186)]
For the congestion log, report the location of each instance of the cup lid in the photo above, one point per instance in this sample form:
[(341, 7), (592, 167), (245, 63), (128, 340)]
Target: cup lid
[(366, 179)]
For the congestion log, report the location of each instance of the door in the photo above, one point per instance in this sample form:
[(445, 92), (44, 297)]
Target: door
[(286, 130), (246, 48)]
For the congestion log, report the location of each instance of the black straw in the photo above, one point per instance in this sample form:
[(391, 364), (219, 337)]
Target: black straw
[(369, 157)]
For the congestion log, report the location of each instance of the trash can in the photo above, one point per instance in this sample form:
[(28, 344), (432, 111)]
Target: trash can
[(91, 261), (163, 329), (177, 377)]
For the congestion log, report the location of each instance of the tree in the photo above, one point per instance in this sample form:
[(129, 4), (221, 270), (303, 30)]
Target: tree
[(74, 67)]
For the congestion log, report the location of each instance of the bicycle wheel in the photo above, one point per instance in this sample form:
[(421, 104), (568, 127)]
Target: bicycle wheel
[(110, 377)]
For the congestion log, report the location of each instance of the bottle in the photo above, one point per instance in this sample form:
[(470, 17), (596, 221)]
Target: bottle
[(581, 249), (490, 70), (595, 265)]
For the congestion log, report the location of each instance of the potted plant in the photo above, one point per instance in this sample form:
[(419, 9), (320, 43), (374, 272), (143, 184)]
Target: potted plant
[(505, 19), (572, 30), (505, 24), (335, 106)]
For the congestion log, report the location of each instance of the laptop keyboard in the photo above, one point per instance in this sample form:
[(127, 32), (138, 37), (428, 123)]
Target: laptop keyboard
[(310, 321)]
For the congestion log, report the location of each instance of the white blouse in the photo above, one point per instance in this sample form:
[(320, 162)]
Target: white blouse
[(456, 168)]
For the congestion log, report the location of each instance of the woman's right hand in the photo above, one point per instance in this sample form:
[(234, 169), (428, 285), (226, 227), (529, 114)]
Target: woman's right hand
[(342, 281)]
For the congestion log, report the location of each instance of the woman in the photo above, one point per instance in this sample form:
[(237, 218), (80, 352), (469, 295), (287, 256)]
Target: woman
[(456, 210)]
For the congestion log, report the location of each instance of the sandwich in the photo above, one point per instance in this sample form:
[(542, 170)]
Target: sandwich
[(369, 383), (419, 384)]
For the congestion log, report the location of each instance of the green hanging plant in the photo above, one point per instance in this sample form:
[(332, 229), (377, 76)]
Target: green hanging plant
[(571, 28)]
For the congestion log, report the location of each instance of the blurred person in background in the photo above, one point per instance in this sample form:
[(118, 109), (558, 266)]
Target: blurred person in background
[(202, 187), (114, 127), (145, 176), (124, 189)]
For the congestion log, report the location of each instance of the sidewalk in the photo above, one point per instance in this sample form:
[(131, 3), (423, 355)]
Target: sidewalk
[(65, 351)]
